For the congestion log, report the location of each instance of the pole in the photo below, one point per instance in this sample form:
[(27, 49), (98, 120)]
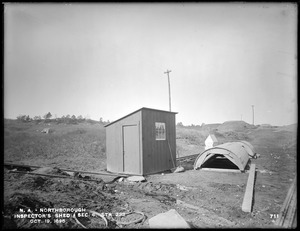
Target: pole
[(167, 72), (252, 114)]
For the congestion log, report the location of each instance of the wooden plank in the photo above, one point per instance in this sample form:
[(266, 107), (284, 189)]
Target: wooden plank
[(288, 209), (291, 211), (284, 208), (20, 165), (248, 197), (58, 176), (70, 170), (286, 212), (220, 170), (98, 173)]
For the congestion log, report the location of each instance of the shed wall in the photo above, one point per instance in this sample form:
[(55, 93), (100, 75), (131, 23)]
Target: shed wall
[(114, 142), (156, 153)]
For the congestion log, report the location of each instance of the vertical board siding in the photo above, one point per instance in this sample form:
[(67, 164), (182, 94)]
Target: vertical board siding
[(114, 142), (156, 153)]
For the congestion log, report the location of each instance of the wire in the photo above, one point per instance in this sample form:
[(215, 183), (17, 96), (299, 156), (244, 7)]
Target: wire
[(134, 221)]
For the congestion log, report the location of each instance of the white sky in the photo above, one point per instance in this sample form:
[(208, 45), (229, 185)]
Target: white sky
[(108, 60)]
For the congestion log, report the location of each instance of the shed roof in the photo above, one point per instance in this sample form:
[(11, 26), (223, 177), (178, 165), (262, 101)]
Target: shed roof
[(236, 152), (143, 108)]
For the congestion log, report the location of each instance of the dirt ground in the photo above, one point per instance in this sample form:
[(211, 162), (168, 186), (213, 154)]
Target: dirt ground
[(205, 199)]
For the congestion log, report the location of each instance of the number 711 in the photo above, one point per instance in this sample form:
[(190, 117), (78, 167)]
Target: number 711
[(275, 215)]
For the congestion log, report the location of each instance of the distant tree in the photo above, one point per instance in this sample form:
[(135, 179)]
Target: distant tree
[(37, 118), (79, 118), (47, 116), (73, 117), (106, 122), (27, 118), (23, 118), (101, 120), (180, 124)]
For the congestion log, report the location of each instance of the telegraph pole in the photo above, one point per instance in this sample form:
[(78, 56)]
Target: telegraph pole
[(167, 72), (252, 114)]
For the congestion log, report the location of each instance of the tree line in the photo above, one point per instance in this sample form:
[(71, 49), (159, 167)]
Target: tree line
[(68, 119)]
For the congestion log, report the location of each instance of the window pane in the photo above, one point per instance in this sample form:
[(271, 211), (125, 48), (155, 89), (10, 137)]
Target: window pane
[(160, 131)]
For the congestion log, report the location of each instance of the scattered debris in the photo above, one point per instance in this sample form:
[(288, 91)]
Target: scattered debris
[(170, 219), (184, 188), (136, 178), (179, 202), (50, 170), (265, 171), (47, 130), (130, 218), (179, 169)]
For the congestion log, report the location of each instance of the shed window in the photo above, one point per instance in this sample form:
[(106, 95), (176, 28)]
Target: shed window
[(160, 131)]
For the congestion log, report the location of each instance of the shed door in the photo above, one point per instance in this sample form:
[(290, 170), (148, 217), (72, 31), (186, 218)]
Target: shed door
[(131, 149)]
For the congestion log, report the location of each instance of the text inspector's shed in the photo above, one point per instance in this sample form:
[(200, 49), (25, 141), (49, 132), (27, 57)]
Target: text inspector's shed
[(142, 142)]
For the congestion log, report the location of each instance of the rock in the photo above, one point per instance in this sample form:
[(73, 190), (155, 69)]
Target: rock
[(179, 169), (136, 178), (121, 179), (47, 130), (168, 220), (82, 186), (181, 187)]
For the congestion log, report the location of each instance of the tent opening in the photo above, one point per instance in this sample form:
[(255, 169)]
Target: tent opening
[(219, 161)]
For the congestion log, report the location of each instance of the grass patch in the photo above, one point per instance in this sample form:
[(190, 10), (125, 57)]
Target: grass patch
[(83, 144)]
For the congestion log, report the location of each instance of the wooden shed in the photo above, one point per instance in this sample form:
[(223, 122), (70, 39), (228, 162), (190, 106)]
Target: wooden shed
[(142, 142)]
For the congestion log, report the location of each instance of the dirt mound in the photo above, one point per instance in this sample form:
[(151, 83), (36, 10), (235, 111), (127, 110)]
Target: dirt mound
[(231, 136), (289, 128), (24, 201), (234, 126), (42, 192), (34, 182), (19, 202), (210, 127)]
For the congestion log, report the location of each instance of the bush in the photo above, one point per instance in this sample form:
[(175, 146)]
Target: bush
[(24, 118)]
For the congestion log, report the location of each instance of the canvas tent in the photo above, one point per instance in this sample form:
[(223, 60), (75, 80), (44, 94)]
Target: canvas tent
[(250, 149), (211, 141), (236, 153)]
